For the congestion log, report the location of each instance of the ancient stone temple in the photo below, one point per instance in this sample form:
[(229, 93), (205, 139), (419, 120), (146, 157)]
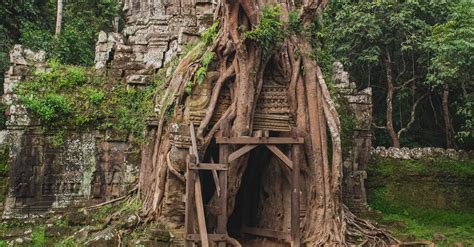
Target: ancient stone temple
[(94, 166), (81, 168), (154, 33)]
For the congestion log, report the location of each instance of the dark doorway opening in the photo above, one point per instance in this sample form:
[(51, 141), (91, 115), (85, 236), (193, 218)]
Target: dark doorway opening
[(248, 197)]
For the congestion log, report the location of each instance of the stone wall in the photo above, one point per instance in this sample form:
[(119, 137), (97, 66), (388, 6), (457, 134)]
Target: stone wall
[(84, 167), (155, 32), (358, 105), (420, 153), (427, 179), (93, 166)]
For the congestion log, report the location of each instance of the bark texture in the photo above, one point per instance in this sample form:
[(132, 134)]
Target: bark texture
[(446, 116), (59, 17), (241, 64)]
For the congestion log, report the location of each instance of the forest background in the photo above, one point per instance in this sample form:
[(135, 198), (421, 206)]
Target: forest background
[(416, 55)]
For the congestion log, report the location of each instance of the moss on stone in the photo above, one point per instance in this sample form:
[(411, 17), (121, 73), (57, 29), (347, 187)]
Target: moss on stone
[(71, 97), (422, 198)]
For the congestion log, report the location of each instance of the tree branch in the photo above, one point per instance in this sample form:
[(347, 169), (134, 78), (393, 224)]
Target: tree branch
[(413, 115), (406, 83)]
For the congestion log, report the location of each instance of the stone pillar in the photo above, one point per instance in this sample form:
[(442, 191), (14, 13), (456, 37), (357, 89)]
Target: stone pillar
[(359, 107)]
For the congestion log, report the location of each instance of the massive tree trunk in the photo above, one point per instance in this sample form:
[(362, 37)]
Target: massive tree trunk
[(241, 63), (59, 17)]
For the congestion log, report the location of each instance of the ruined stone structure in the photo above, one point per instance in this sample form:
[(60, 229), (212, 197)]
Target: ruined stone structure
[(154, 33), (94, 166), (359, 106), (83, 168)]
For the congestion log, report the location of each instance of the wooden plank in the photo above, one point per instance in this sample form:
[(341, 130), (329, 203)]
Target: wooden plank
[(209, 166), (216, 179), (295, 197), (267, 233), (190, 213), (211, 237), (241, 151), (280, 155), (259, 140), (194, 142), (222, 218), (200, 212)]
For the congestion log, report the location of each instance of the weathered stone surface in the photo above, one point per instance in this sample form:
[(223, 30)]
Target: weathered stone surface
[(359, 105), (87, 167), (154, 33), (104, 238), (420, 153)]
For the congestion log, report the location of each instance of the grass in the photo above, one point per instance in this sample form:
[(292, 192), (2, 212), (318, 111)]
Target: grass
[(421, 198), (422, 229), (441, 167)]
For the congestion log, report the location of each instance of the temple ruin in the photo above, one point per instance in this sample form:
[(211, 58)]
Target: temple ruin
[(92, 167)]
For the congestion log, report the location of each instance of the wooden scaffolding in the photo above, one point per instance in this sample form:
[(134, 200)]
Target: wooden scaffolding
[(194, 202)]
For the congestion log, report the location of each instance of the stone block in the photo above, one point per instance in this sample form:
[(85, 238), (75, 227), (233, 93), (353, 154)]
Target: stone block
[(138, 79)]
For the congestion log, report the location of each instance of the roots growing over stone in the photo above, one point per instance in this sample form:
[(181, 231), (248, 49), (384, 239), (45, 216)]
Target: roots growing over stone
[(241, 62)]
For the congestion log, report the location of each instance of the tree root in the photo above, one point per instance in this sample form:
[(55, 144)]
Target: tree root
[(363, 232)]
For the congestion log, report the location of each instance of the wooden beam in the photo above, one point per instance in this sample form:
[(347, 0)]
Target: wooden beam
[(209, 166), (216, 179), (280, 155), (259, 140), (243, 150), (295, 197), (222, 218), (267, 233), (211, 237), (194, 142), (190, 214), (200, 212)]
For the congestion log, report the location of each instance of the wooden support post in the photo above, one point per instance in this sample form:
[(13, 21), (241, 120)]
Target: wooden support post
[(222, 218), (200, 212), (190, 214), (281, 155), (239, 153), (295, 197)]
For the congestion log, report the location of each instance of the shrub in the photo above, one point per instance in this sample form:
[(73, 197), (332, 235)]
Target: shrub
[(269, 32)]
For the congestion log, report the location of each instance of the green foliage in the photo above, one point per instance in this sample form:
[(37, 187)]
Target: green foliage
[(270, 31), (322, 49), (68, 242), (423, 222), (396, 170), (3, 117), (210, 34), (71, 97), (295, 25), (50, 109), (32, 24), (424, 197), (452, 46), (37, 236), (347, 123), (428, 40), (201, 72), (4, 169)]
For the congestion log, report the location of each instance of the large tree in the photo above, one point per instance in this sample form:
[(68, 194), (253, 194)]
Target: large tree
[(383, 39), (451, 70), (253, 37)]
